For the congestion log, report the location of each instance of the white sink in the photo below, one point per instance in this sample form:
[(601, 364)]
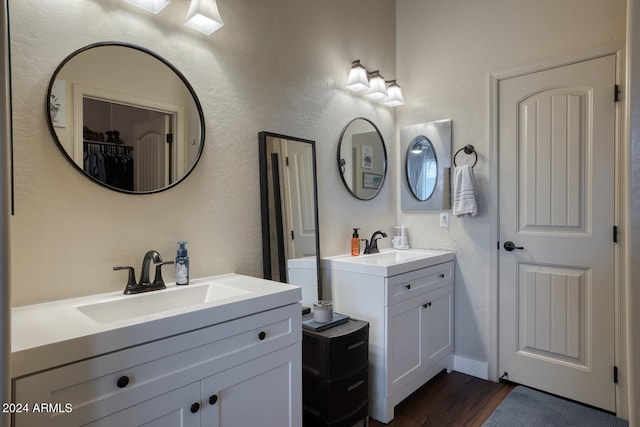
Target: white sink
[(389, 262), (126, 307)]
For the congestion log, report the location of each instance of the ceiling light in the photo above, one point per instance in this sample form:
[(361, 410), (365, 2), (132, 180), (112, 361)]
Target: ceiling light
[(153, 6), (394, 95), (357, 80), (378, 88), (203, 16)]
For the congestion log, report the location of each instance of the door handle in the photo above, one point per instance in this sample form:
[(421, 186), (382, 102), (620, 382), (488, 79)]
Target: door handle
[(509, 246)]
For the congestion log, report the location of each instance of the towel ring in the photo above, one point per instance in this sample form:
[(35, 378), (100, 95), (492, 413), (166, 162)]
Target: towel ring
[(468, 149)]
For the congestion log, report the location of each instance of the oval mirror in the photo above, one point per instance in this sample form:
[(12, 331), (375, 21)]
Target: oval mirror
[(421, 168), (362, 158), (125, 117)]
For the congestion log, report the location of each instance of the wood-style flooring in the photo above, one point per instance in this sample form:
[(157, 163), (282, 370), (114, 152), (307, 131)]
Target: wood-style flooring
[(453, 399)]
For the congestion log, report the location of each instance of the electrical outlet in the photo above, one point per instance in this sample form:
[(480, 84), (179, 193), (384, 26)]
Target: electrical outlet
[(444, 219)]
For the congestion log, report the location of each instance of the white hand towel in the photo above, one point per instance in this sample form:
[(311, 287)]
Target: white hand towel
[(464, 195)]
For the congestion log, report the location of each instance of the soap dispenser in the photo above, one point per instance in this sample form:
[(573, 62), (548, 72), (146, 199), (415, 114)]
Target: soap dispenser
[(182, 264), (355, 243)]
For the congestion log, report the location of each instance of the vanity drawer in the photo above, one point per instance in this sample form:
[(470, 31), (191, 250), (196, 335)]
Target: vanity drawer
[(103, 385), (405, 286)]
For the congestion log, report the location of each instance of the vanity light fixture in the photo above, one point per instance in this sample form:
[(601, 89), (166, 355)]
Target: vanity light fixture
[(203, 16), (357, 80), (394, 95), (378, 88), (153, 6)]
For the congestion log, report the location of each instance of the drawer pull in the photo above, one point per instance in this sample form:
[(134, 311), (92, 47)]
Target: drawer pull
[(355, 345), (262, 335), (123, 381), (213, 399), (442, 275), (408, 286), (355, 385), (195, 408), (426, 305)]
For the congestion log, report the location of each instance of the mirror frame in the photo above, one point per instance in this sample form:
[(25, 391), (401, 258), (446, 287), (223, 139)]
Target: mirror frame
[(264, 205), (162, 60), (384, 151)]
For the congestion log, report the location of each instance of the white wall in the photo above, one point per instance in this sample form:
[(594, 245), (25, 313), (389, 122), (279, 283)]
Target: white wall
[(276, 65), (445, 53)]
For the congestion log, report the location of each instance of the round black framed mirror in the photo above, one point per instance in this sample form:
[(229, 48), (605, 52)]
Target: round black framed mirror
[(125, 117), (362, 158), (421, 167)]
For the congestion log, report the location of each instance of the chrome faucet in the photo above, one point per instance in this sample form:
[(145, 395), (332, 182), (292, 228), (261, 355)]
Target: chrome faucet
[(371, 245), (145, 284)]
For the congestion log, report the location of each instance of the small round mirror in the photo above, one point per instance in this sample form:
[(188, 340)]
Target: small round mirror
[(125, 117), (362, 158), (421, 168)]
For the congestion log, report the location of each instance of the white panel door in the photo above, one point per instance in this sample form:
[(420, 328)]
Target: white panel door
[(301, 198), (556, 180)]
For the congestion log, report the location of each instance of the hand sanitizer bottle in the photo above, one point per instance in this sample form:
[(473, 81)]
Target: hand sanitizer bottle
[(182, 264)]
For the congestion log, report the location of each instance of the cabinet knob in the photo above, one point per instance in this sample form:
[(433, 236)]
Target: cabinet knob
[(442, 275), (195, 408), (213, 399), (262, 335), (408, 286), (426, 305), (123, 381)]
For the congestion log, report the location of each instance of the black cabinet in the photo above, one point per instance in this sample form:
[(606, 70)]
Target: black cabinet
[(335, 375)]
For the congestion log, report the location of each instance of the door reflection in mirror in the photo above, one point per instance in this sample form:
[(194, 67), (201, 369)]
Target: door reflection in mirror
[(111, 95), (289, 210)]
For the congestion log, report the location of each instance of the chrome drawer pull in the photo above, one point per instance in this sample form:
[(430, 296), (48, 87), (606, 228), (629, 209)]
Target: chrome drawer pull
[(355, 385), (356, 345)]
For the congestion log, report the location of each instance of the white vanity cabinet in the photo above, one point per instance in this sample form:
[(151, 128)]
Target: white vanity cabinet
[(411, 326), (246, 371)]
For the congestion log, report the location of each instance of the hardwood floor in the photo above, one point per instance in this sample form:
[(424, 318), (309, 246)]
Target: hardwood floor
[(453, 399)]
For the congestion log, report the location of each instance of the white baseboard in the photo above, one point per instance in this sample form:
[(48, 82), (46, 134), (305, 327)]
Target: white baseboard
[(471, 367)]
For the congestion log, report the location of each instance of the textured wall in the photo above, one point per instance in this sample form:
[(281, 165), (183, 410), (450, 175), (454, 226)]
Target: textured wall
[(445, 53), (276, 65)]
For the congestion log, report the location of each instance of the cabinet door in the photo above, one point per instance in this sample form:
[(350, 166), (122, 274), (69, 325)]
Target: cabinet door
[(439, 323), (406, 343), (264, 392), (180, 407)]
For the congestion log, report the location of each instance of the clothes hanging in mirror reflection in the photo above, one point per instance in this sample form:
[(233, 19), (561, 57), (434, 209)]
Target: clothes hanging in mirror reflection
[(110, 164)]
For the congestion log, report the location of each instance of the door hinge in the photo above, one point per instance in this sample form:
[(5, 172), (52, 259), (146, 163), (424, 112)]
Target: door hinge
[(615, 234), (616, 93), (292, 238), (286, 160), (615, 375), (169, 138)]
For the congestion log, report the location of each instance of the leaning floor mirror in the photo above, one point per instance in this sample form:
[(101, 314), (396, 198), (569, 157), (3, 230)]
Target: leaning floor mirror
[(289, 202)]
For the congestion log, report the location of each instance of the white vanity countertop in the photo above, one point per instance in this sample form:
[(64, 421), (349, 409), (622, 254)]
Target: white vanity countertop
[(389, 262), (54, 333)]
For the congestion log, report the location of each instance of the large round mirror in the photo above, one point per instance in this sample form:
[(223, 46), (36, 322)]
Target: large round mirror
[(125, 117), (421, 168), (362, 158)]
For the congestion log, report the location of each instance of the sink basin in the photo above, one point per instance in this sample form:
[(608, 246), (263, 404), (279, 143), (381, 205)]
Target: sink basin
[(124, 307), (389, 262)]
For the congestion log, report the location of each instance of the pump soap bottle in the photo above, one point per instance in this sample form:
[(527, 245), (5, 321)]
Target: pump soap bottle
[(355, 243), (182, 264)]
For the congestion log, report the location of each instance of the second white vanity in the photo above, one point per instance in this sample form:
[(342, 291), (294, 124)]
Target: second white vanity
[(223, 351), (407, 297)]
